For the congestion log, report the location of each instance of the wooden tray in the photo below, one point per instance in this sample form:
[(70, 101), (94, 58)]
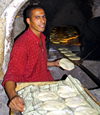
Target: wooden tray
[(23, 85)]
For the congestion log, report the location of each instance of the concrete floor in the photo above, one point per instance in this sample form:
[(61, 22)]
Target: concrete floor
[(4, 109)]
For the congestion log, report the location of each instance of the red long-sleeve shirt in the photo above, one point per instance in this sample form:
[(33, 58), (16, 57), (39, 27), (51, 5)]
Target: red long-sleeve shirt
[(28, 60)]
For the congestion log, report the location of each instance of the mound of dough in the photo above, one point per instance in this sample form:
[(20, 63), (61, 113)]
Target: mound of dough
[(74, 57), (47, 95), (53, 105), (85, 111), (75, 102), (65, 51), (66, 92), (69, 54), (58, 112), (66, 64)]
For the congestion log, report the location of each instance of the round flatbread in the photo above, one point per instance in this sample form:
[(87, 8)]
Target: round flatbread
[(75, 102), (63, 41), (65, 51), (56, 42), (62, 48), (85, 111), (53, 105), (58, 112), (66, 64), (74, 57), (66, 92), (69, 54), (47, 95)]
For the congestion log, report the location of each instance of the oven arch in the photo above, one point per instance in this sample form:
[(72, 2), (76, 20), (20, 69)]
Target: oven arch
[(7, 19)]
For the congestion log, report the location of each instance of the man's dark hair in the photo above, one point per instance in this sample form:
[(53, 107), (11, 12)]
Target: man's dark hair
[(28, 11)]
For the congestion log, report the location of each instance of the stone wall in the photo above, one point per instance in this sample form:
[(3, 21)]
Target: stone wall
[(96, 8)]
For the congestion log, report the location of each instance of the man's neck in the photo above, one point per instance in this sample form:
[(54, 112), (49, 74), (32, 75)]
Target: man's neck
[(36, 32)]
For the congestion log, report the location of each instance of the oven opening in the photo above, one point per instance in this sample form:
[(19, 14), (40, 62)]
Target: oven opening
[(65, 37)]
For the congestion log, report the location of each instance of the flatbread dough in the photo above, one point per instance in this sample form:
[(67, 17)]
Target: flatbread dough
[(47, 95), (69, 54), (56, 42), (75, 102), (62, 48), (66, 92), (66, 64), (85, 111), (74, 57), (53, 105), (63, 41), (58, 112), (65, 51)]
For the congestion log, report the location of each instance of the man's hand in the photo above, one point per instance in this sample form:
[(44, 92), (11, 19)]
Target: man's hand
[(17, 103), (53, 63), (56, 63)]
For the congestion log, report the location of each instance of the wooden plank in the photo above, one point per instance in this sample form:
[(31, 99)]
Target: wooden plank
[(87, 91), (12, 112)]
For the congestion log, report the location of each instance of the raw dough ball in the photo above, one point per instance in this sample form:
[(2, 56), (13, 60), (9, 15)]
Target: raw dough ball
[(66, 91), (85, 111), (66, 64), (75, 102), (58, 112), (65, 51), (62, 48), (69, 54), (47, 95), (74, 57), (53, 105)]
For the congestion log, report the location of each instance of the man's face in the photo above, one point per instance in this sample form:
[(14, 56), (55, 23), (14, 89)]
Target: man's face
[(37, 22)]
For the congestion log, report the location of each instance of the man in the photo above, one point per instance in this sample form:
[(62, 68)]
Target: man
[(28, 61)]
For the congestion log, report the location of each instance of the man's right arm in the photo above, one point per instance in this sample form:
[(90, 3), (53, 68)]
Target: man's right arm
[(16, 102)]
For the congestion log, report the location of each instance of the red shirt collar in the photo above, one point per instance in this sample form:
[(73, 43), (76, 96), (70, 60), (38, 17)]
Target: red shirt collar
[(36, 38)]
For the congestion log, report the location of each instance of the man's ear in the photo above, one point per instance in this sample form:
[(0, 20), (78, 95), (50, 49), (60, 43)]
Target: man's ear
[(28, 20)]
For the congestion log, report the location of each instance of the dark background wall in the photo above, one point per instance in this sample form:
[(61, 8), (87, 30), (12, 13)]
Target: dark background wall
[(64, 12)]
